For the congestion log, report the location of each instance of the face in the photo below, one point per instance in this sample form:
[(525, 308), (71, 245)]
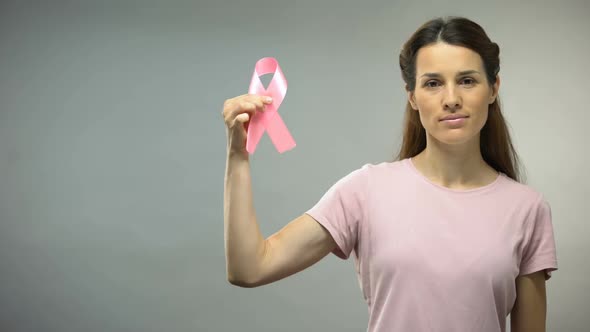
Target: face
[(451, 81)]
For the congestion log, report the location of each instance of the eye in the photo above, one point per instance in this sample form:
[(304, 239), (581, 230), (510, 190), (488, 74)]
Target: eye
[(428, 85), (469, 79)]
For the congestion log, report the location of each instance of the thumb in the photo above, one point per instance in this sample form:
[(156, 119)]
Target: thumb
[(243, 118)]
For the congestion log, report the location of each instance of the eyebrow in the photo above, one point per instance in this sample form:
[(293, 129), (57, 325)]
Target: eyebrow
[(461, 73)]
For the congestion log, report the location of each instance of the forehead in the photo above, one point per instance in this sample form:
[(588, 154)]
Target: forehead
[(446, 58)]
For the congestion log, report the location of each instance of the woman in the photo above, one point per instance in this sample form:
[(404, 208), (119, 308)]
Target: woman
[(445, 237)]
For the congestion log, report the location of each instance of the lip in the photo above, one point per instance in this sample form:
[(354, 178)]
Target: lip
[(457, 122), (453, 117)]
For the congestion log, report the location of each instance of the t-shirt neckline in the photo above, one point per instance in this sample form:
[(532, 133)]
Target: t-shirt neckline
[(408, 162)]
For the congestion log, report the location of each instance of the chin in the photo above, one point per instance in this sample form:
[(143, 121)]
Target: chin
[(456, 138)]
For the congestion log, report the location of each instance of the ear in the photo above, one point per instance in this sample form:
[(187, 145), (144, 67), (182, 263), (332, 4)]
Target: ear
[(495, 89), (412, 99)]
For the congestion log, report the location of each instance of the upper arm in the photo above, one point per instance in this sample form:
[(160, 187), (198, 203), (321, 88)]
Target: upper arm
[(298, 245), (530, 309)]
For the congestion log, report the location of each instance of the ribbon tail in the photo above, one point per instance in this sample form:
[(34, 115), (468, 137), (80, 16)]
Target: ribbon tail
[(279, 134), (255, 132)]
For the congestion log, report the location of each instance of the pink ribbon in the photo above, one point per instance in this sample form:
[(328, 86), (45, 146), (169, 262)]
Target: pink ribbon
[(269, 119)]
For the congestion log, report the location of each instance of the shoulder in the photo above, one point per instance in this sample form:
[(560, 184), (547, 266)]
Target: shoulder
[(364, 176), (530, 203), (381, 168), (366, 170), (520, 192), (369, 173)]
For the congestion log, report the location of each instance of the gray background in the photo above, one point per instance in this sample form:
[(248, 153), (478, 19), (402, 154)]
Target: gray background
[(112, 151)]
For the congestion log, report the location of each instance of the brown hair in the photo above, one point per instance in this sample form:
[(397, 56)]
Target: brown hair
[(495, 142)]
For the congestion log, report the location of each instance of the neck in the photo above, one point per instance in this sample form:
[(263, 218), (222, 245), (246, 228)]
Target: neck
[(454, 166)]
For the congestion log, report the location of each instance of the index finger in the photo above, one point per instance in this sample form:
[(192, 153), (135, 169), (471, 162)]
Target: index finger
[(261, 98)]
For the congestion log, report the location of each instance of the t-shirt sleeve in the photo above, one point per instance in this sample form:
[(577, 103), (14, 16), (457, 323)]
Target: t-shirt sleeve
[(341, 210), (539, 252)]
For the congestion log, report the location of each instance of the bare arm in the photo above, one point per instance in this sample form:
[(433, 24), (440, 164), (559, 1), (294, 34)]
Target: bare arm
[(297, 246), (244, 242), (530, 309), (251, 260)]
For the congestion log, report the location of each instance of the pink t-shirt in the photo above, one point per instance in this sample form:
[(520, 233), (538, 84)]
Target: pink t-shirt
[(430, 258)]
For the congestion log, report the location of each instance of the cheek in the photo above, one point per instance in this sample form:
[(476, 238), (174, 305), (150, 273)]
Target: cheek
[(483, 118), (480, 111), (429, 112)]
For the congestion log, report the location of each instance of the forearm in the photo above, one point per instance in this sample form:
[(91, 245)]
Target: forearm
[(244, 242)]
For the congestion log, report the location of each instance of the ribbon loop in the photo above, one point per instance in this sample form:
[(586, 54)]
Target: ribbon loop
[(269, 119)]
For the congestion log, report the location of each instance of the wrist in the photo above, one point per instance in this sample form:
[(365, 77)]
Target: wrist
[(234, 155)]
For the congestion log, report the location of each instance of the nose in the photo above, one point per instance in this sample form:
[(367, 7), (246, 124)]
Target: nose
[(452, 100)]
